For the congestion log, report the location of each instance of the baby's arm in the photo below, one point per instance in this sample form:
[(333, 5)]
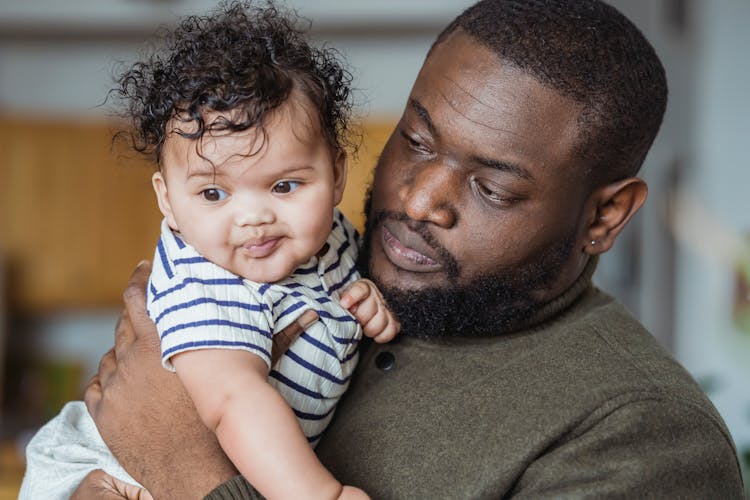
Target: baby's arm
[(254, 424), (363, 299)]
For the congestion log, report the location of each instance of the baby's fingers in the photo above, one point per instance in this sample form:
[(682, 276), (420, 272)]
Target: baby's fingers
[(354, 294), (364, 301), (380, 324), (387, 335), (389, 330)]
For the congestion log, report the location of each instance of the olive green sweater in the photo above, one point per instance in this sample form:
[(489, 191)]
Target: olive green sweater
[(580, 402)]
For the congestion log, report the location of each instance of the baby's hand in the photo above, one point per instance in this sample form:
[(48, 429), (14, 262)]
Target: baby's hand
[(352, 493), (362, 298)]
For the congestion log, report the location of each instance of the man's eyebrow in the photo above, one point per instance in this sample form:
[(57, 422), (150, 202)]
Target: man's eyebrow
[(512, 168), (504, 166), (424, 116)]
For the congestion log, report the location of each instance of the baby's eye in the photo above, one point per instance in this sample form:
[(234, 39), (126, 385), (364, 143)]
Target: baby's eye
[(213, 194), (283, 187)]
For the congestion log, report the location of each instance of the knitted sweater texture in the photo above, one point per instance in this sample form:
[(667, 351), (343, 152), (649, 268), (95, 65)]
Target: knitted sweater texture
[(579, 402)]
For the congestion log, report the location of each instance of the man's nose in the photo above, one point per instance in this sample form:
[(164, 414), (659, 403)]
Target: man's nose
[(430, 195)]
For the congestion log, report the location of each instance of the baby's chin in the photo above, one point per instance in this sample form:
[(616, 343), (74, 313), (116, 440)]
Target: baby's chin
[(262, 274), (263, 277)]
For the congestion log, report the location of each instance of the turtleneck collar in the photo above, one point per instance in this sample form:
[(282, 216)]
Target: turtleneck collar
[(544, 313), (560, 303)]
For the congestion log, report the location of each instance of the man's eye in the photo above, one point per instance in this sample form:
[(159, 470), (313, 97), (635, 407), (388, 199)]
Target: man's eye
[(492, 193), (284, 187), (415, 145), (213, 194)]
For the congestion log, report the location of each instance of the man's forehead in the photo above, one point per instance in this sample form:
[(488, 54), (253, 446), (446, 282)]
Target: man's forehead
[(492, 108), (477, 84)]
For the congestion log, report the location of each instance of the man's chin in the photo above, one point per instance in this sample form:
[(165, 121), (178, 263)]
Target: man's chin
[(431, 305), (475, 310)]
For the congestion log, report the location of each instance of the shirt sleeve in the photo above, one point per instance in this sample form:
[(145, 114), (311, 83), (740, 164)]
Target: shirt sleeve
[(206, 316), (196, 304), (236, 488)]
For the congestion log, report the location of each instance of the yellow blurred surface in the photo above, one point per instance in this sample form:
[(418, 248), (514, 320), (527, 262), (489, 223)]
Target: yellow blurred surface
[(11, 471), (76, 215)]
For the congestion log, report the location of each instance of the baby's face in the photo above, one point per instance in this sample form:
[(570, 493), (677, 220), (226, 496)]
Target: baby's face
[(259, 216)]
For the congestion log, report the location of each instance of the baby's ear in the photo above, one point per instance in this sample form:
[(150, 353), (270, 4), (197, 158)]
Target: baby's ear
[(162, 198), (339, 176)]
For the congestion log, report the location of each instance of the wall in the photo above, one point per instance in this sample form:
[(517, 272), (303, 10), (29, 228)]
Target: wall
[(714, 215), (57, 57)]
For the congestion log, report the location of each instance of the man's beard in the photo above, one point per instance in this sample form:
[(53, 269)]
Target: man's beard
[(497, 302)]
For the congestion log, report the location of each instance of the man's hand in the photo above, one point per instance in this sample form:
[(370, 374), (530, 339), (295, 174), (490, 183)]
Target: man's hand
[(363, 299), (98, 485), (285, 338), (145, 415)]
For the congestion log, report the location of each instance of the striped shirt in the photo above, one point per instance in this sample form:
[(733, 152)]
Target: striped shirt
[(198, 305)]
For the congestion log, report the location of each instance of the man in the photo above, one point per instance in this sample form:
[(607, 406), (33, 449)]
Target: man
[(511, 170)]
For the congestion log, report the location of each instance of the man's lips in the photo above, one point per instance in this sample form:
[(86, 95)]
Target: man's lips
[(406, 249), (260, 249)]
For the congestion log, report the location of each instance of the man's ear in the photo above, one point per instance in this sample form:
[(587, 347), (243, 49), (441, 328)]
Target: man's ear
[(162, 198), (611, 207), (339, 176)]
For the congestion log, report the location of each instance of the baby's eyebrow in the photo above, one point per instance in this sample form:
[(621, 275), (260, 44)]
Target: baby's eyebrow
[(291, 169), (201, 173)]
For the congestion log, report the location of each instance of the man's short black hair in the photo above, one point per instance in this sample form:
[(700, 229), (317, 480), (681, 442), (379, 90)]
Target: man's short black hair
[(586, 50), (242, 61)]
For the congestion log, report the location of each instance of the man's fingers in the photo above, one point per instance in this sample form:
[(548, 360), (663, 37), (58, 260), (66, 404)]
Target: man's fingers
[(101, 486), (93, 395), (135, 299), (285, 338), (107, 367), (139, 324), (124, 334), (96, 485), (135, 292), (129, 491)]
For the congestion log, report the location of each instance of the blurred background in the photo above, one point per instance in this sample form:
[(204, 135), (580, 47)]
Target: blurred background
[(76, 216)]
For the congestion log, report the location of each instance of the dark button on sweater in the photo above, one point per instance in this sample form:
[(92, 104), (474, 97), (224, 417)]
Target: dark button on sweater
[(385, 361)]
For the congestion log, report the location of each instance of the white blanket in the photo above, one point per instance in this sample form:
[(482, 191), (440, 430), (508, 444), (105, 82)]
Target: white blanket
[(60, 455)]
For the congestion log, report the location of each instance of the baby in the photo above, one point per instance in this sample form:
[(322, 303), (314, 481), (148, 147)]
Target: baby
[(248, 126)]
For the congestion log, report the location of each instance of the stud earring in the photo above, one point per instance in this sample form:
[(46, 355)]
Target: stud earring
[(593, 242)]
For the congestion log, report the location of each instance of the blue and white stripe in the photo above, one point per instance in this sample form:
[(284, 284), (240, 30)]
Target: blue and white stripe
[(199, 305)]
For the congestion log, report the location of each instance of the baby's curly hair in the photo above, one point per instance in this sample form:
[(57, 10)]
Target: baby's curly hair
[(242, 61)]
